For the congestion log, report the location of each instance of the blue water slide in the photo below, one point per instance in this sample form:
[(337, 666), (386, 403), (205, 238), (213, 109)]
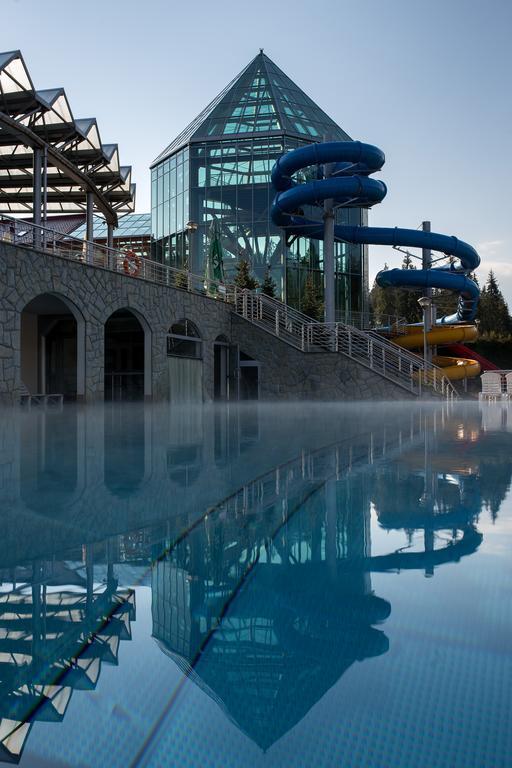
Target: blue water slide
[(340, 172)]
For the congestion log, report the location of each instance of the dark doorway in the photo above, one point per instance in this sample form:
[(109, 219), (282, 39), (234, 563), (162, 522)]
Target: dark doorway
[(124, 357), (49, 348), (249, 380)]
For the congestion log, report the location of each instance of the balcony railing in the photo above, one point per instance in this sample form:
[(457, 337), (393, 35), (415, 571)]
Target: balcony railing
[(22, 233), (300, 331)]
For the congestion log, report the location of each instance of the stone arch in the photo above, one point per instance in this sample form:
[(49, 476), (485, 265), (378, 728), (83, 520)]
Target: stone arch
[(34, 352), (127, 310)]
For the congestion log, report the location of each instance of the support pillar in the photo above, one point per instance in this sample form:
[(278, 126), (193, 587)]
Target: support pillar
[(329, 313), (110, 235), (45, 194), (36, 200), (89, 231), (426, 255)]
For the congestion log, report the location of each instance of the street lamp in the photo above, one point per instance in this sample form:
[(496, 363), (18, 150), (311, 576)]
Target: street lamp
[(425, 303)]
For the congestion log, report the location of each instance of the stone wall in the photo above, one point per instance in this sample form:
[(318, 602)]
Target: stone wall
[(92, 294), (288, 374)]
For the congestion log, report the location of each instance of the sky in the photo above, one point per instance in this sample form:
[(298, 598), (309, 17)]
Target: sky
[(430, 83)]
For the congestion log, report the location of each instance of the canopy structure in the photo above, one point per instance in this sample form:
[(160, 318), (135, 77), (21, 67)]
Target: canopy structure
[(51, 162)]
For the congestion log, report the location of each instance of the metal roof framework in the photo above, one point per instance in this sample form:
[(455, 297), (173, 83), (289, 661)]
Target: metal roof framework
[(260, 101), (51, 162)]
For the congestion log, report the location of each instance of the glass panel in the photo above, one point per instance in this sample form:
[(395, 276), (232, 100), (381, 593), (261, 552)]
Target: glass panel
[(179, 213)]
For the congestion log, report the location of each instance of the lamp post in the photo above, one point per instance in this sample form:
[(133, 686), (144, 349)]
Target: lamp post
[(191, 227), (425, 303)]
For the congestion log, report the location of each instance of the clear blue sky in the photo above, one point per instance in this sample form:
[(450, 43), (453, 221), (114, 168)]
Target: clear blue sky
[(428, 82)]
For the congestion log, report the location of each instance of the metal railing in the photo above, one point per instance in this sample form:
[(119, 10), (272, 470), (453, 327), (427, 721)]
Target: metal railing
[(21, 233), (379, 355), (300, 331), (366, 321)]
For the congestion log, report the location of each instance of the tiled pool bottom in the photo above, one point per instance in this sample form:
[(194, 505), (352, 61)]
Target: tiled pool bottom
[(258, 586)]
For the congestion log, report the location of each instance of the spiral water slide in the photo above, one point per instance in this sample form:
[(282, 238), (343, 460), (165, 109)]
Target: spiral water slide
[(343, 170)]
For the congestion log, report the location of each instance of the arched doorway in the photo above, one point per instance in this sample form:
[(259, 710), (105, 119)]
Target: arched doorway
[(185, 356), (53, 347), (127, 357)]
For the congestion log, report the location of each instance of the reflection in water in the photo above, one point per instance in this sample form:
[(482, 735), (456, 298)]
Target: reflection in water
[(49, 449), (252, 606), (256, 541), (57, 627)]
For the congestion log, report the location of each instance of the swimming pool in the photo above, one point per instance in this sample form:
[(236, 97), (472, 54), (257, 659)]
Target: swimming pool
[(299, 585)]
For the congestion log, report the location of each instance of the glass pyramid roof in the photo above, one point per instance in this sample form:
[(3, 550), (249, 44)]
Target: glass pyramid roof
[(261, 99)]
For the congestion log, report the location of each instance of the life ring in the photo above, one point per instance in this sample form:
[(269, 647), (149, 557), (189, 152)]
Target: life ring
[(132, 263)]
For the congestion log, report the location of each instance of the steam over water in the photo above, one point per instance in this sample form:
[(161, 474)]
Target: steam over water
[(259, 585)]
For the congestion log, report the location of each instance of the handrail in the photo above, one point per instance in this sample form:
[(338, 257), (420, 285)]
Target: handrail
[(367, 321), (379, 355), (43, 238), (297, 329)]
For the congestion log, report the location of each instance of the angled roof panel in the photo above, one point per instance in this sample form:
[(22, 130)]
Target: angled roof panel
[(262, 99), (17, 93), (77, 161), (131, 225)]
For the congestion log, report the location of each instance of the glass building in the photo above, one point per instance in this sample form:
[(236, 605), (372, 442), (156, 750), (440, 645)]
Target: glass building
[(133, 233), (219, 168)]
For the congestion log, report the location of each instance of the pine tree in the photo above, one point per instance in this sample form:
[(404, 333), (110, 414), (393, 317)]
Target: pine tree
[(407, 299), (311, 304), (181, 279), (493, 313), (268, 286), (382, 301), (243, 277)]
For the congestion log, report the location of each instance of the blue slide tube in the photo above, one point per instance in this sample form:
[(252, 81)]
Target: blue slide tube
[(348, 185)]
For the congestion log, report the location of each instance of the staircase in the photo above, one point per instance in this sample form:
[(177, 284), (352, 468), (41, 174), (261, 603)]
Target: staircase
[(377, 354)]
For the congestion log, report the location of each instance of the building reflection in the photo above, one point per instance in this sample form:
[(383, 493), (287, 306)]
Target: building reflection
[(57, 627), (265, 599)]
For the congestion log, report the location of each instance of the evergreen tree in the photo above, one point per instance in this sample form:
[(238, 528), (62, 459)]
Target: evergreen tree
[(382, 301), (268, 286), (396, 302), (311, 304), (243, 277), (493, 313), (181, 279), (406, 299)]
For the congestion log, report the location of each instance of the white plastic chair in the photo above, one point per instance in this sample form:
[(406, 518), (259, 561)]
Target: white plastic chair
[(491, 386)]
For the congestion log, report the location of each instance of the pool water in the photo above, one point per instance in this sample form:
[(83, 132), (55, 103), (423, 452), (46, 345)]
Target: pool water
[(294, 585)]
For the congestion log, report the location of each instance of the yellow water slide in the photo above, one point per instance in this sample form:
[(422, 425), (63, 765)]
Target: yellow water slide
[(454, 368)]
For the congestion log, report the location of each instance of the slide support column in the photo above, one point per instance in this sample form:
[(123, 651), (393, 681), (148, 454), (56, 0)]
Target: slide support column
[(426, 254), (329, 312)]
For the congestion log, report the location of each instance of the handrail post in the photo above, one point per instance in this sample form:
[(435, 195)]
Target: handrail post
[(244, 305), (277, 322), (302, 340)]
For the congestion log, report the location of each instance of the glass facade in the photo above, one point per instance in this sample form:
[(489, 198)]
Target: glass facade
[(219, 168), (133, 233)]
